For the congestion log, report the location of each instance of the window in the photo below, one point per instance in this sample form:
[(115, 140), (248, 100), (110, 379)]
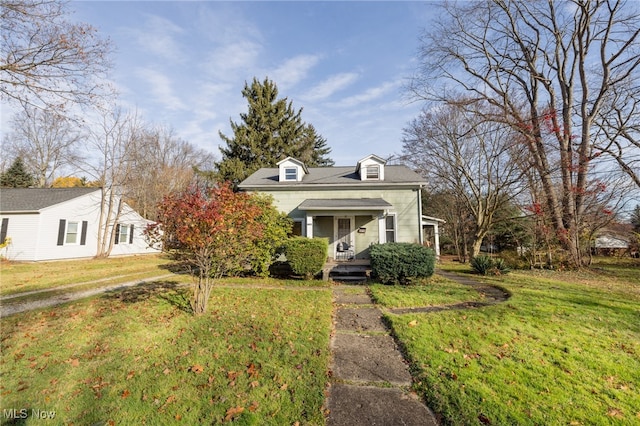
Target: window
[(390, 228), (297, 228), (123, 234), (71, 235), (291, 173), (373, 172)]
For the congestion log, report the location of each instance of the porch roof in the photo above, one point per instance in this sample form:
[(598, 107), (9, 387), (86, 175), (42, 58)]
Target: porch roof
[(376, 204)]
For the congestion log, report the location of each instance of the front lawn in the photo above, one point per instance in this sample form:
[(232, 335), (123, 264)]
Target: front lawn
[(259, 356), (433, 291), (19, 277), (564, 349)]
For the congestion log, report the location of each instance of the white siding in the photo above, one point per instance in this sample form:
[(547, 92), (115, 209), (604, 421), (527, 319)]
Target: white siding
[(22, 230), (35, 236)]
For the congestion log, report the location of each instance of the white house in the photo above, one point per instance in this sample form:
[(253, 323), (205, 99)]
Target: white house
[(63, 223), (352, 206)]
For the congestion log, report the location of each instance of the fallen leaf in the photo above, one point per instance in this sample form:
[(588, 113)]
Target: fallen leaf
[(131, 374), (233, 412), (254, 406), (284, 387), (166, 371), (254, 384), (614, 412), (252, 371), (125, 393), (74, 362), (178, 417), (484, 419), (197, 368), (413, 323)]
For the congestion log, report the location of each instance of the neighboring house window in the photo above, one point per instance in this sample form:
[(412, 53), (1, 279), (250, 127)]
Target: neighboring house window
[(291, 173), (390, 228), (71, 233), (373, 172), (124, 234), (297, 228), (71, 236)]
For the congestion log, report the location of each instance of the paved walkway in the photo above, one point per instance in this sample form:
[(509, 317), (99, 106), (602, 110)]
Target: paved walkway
[(370, 383)]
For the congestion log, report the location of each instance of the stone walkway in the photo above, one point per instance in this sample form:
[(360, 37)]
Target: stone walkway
[(370, 383)]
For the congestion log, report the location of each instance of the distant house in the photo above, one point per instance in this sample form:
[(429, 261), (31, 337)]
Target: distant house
[(353, 206), (62, 223), (609, 243)]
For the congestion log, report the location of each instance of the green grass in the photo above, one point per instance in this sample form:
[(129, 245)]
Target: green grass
[(564, 349), (19, 277), (259, 356), (434, 291)]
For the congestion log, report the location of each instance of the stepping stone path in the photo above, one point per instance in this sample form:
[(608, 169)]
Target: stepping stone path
[(370, 382)]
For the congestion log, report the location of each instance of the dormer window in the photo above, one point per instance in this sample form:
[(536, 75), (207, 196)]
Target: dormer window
[(371, 168), (291, 173), (291, 170), (373, 172)]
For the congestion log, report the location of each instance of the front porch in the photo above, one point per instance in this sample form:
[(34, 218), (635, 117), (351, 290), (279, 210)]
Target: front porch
[(356, 270)]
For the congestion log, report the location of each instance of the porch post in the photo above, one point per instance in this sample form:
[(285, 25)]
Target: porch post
[(309, 222), (436, 235)]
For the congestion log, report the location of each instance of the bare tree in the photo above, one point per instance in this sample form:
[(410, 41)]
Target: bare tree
[(111, 143), (468, 157), (163, 164), (46, 60), (549, 68), (45, 140)]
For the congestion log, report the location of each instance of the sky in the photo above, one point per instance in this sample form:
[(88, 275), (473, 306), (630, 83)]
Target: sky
[(184, 64)]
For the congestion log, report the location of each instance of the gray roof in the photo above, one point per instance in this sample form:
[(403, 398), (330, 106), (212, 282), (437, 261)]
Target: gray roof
[(332, 176), (35, 199), (344, 204)]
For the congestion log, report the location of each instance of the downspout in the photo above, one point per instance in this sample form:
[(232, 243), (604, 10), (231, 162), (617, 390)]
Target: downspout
[(420, 230)]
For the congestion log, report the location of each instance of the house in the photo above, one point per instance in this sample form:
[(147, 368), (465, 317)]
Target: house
[(609, 243), (353, 207), (62, 223)]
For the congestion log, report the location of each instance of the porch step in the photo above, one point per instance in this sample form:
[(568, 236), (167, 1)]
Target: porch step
[(350, 273)]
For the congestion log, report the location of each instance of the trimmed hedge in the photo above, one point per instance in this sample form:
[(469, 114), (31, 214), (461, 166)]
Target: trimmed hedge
[(398, 263), (306, 256)]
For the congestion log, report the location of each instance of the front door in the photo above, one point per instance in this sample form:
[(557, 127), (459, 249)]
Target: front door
[(343, 233)]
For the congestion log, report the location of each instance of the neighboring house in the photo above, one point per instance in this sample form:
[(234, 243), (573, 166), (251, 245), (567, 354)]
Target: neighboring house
[(62, 223), (353, 207), (609, 243)]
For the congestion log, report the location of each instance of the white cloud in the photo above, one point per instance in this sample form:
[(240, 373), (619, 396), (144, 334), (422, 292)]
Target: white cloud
[(227, 61), (161, 88), (158, 37), (293, 70), (328, 87), (368, 95)]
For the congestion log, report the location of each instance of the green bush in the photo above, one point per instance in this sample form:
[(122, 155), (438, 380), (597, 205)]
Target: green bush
[(306, 256), (486, 265), (399, 263)]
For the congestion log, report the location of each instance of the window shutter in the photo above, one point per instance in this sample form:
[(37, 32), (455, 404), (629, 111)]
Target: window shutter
[(61, 229), (117, 233), (3, 230), (83, 235), (131, 234)]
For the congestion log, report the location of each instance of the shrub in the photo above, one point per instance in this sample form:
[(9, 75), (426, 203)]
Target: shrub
[(306, 256), (486, 265), (398, 263), (482, 264)]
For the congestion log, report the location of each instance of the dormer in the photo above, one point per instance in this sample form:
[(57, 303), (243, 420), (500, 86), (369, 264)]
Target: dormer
[(371, 168), (291, 170)]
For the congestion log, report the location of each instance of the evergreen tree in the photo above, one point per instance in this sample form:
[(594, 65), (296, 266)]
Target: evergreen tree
[(270, 131), (16, 176)]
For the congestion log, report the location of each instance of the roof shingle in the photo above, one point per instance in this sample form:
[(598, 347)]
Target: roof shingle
[(35, 199)]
